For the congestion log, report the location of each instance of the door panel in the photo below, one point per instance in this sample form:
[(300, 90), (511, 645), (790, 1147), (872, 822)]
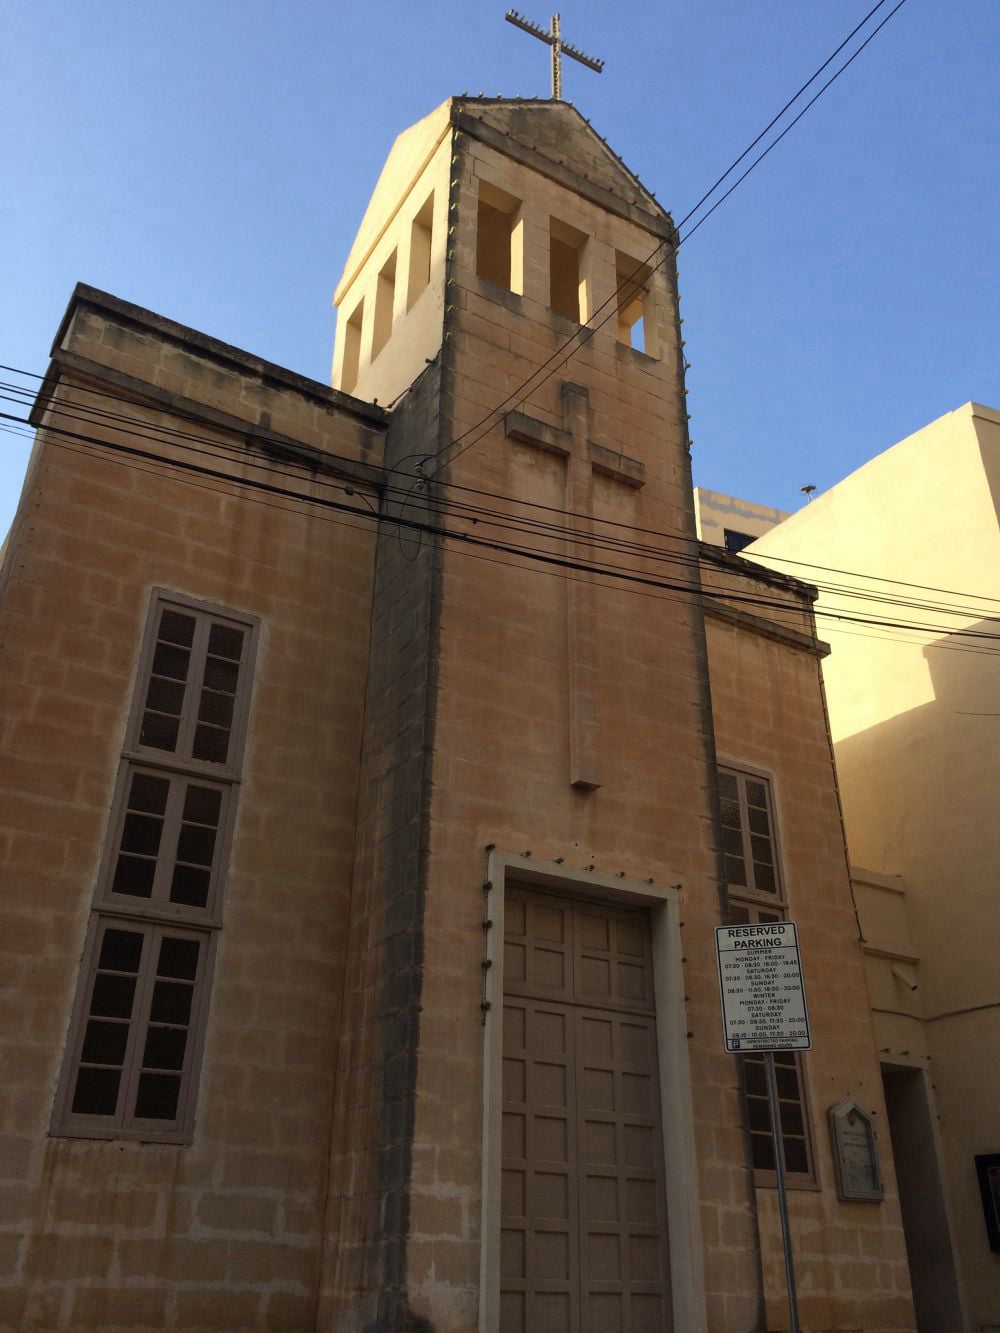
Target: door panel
[(583, 1240)]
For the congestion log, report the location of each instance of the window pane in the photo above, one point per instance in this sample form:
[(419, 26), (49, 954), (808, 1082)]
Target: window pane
[(176, 628), (196, 844), (758, 820), (760, 849), (759, 1112), (159, 732), (220, 675), (148, 793), (791, 1119), (141, 834), (202, 805), (763, 878), (796, 1157), (756, 1079), (730, 812), (171, 661), (224, 641), (756, 793), (165, 696), (738, 916), (728, 786), (178, 958), (165, 1048), (763, 1152), (210, 744), (788, 1082), (96, 1091), (216, 708), (134, 876), (121, 950), (190, 886), (171, 1003), (732, 842), (735, 870), (104, 1043), (112, 996), (157, 1096)]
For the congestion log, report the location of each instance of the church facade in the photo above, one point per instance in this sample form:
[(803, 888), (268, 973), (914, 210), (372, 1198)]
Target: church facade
[(381, 759)]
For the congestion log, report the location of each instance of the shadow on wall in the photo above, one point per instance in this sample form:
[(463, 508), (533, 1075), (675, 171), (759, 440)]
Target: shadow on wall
[(920, 793), (920, 789)]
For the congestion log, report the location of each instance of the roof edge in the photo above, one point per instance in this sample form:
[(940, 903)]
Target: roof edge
[(653, 217), (214, 349)]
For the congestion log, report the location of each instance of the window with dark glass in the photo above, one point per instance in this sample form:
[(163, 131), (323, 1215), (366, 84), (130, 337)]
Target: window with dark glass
[(193, 683), (131, 1063), (136, 1053), (747, 833), (734, 541), (757, 896)]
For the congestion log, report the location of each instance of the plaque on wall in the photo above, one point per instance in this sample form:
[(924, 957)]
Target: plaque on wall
[(855, 1153), (988, 1171)]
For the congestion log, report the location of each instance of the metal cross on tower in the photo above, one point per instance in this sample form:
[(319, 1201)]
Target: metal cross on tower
[(554, 39)]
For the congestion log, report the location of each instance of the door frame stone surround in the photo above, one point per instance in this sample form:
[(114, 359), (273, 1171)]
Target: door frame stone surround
[(680, 1172)]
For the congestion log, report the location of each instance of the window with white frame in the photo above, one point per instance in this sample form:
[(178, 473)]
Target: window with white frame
[(757, 895), (135, 1037)]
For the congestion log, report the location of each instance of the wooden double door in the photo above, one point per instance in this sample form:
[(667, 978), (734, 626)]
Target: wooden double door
[(583, 1210)]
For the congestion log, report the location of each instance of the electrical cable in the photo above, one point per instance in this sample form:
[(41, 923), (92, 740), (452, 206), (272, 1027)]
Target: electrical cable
[(554, 531), (558, 533), (529, 553)]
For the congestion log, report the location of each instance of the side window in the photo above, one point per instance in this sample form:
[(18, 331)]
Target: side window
[(756, 895), (131, 1063)]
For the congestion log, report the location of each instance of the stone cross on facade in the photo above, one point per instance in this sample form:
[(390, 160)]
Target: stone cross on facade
[(582, 458), (559, 48)]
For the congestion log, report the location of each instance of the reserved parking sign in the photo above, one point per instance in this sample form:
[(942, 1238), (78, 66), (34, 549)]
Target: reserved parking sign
[(763, 993)]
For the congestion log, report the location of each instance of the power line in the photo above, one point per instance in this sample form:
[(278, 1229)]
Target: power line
[(519, 551), (459, 549), (551, 531), (554, 531)]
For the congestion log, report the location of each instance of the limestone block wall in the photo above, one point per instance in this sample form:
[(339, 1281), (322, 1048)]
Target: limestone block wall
[(850, 1257), (224, 1231)]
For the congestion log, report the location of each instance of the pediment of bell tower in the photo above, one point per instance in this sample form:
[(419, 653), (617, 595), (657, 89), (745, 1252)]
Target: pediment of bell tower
[(556, 138)]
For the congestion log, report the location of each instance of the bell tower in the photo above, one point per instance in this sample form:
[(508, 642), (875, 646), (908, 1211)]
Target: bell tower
[(511, 297)]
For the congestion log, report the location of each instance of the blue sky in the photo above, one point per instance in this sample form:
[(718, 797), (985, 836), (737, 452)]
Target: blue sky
[(211, 160)]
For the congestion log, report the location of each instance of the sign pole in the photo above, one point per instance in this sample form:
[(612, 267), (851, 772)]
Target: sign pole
[(764, 1010), (779, 1171)]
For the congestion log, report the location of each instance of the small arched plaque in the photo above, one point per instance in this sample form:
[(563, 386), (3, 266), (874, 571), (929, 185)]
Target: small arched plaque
[(855, 1153)]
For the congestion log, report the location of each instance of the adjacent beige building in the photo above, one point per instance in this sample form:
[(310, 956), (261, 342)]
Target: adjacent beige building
[(726, 521), (371, 797), (914, 718)]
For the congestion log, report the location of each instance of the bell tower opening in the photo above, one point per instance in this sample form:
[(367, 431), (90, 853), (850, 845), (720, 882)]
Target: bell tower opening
[(421, 242), (565, 276), (634, 325), (497, 234)]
